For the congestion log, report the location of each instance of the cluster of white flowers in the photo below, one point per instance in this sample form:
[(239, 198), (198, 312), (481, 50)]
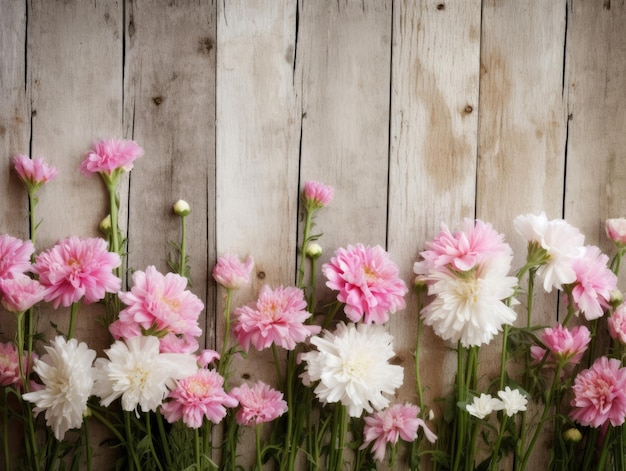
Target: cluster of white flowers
[(511, 401)]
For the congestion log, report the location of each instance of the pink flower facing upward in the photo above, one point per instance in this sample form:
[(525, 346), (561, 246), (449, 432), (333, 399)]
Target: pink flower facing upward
[(33, 172), (565, 345), (600, 394), (109, 156), (232, 273), (160, 305), (196, 397), (617, 324), (387, 426), (76, 269), (20, 292), (594, 283), (616, 230), (367, 281), (277, 317), (14, 255), (258, 404), (9, 366), (316, 195)]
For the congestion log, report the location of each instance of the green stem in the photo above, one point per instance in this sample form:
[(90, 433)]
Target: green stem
[(279, 376), (605, 450), (32, 203), (394, 453), (503, 356), (104, 421), (418, 345), (342, 436), (461, 416), (88, 450), (182, 267), (224, 357), (196, 448), (162, 434), (73, 311), (130, 444), (493, 466), (305, 243), (151, 442), (257, 439)]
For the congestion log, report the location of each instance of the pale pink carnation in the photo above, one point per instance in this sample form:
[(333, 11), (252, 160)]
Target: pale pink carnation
[(317, 195), (20, 292), (110, 155), (616, 230), (9, 365), (594, 283), (33, 172), (159, 304), (196, 397), (391, 424), (14, 255), (258, 404), (564, 345), (600, 394), (277, 317), (367, 281), (617, 324), (76, 269), (232, 273)]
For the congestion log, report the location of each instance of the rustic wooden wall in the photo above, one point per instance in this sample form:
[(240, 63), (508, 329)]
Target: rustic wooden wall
[(416, 112)]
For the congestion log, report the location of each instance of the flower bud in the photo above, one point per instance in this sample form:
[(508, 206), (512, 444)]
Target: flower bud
[(181, 208), (616, 298), (105, 225), (572, 435), (313, 250), (616, 230)]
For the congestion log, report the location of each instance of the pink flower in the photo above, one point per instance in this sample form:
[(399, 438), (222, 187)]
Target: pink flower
[(617, 324), (33, 172), (231, 273), (196, 397), (77, 268), (110, 155), (616, 230), (594, 283), (387, 426), (316, 195), (9, 365), (600, 394), (258, 404), (14, 255), (277, 317), (367, 281), (20, 292), (564, 345), (178, 343), (159, 304), (476, 243), (206, 357)]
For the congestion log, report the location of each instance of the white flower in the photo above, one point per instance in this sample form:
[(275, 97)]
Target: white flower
[(562, 242), (352, 367), (139, 373), (513, 401), (68, 376), (484, 405)]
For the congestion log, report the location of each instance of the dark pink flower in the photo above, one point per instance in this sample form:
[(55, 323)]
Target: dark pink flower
[(33, 172), (617, 324), (231, 273), (367, 281), (196, 397), (76, 269), (277, 317), (110, 155), (616, 230), (14, 255), (258, 404), (594, 283), (159, 304), (600, 394), (565, 345), (391, 424), (20, 292), (316, 195)]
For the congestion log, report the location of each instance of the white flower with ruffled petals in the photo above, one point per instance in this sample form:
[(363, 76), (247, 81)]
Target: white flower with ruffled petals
[(484, 405), (513, 401), (68, 377)]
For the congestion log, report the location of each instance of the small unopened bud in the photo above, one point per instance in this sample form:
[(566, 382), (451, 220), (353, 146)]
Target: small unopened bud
[(431, 415), (419, 285), (181, 208), (313, 250), (572, 435), (616, 298), (105, 225)]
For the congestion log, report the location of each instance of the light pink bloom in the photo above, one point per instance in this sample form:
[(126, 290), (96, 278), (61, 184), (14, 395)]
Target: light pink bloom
[(565, 345), (20, 292), (594, 283), (391, 424), (158, 304), (76, 269), (196, 397), (316, 195), (277, 317), (231, 273), (367, 281), (600, 394), (177, 343), (14, 255), (206, 357), (616, 230), (110, 155), (258, 404), (33, 172), (9, 365), (617, 324), (476, 243)]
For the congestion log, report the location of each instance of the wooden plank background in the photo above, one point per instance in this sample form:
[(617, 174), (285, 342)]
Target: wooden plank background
[(416, 112)]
